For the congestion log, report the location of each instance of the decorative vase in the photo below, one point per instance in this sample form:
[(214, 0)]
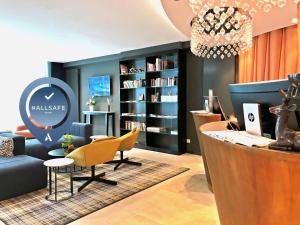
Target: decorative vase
[(91, 107)]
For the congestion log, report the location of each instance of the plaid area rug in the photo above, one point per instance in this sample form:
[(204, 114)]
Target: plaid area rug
[(33, 208)]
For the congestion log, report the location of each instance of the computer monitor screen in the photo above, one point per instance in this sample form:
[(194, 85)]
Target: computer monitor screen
[(267, 95)]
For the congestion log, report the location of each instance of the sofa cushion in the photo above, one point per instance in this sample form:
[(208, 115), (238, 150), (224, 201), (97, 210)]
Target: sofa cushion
[(6, 146), (35, 149), (21, 174)]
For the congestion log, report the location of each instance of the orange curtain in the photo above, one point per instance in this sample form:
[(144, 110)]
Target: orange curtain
[(273, 56)]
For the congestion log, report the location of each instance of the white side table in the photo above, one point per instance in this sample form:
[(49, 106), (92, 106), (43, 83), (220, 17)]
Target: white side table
[(55, 164), (95, 137)]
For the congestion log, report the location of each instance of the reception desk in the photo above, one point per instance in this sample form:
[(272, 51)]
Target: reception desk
[(252, 186), (201, 118)]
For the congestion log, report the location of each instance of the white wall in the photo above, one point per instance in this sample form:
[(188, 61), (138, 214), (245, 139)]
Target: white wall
[(21, 61)]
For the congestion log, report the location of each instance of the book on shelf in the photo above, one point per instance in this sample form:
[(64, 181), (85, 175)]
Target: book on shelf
[(134, 83), (151, 67), (130, 125), (156, 129), (168, 98), (123, 69), (174, 132), (162, 116), (167, 64), (163, 82), (134, 114), (158, 64)]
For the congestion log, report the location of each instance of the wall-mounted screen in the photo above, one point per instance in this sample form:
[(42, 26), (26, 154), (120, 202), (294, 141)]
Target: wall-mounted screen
[(99, 85)]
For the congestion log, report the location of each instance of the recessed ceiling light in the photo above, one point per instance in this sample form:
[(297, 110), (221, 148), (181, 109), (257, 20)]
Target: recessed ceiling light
[(294, 20)]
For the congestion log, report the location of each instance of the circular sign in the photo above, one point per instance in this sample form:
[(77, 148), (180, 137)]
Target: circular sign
[(48, 106)]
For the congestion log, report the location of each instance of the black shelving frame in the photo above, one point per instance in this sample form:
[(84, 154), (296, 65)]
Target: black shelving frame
[(166, 141)]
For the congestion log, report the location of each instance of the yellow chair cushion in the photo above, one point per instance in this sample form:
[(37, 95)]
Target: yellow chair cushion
[(98, 152), (128, 140)]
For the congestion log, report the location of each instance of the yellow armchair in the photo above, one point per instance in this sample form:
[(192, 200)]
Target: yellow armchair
[(98, 152), (127, 142)]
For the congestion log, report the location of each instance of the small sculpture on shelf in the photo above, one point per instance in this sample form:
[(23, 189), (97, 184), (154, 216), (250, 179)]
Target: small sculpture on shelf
[(91, 103), (286, 138)]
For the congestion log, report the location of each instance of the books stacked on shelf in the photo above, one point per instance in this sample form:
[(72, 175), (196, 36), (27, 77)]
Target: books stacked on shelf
[(134, 83), (157, 129), (168, 98), (130, 125), (160, 64), (134, 114), (174, 132), (162, 116), (164, 82)]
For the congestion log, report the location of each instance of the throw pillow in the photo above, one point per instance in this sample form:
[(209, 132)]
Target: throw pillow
[(6, 146)]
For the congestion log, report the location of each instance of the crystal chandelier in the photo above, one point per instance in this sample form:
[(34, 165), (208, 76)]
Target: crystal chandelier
[(222, 31), (223, 28)]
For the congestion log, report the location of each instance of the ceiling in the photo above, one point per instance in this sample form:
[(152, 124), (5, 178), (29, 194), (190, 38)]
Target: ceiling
[(180, 13), (67, 30)]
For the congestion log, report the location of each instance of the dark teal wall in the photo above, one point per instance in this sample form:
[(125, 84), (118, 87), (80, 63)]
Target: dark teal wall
[(108, 67), (201, 75)]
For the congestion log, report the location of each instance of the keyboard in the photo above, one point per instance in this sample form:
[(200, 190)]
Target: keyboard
[(240, 137)]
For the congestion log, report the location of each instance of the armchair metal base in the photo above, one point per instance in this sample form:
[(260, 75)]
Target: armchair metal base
[(122, 160), (92, 178)]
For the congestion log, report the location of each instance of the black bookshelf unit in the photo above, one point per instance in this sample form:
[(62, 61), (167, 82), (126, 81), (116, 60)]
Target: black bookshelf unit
[(152, 97)]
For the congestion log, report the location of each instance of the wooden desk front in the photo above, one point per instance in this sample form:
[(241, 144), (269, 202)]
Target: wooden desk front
[(252, 186)]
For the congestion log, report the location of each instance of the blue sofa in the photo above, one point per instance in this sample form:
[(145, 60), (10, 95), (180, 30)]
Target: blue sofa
[(25, 172), (81, 132), (20, 174)]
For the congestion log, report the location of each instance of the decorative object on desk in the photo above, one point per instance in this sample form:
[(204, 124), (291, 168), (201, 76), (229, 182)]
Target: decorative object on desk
[(91, 103), (286, 138), (67, 144), (108, 104), (206, 105)]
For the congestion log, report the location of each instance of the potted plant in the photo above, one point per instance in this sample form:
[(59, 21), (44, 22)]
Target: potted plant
[(67, 144), (91, 103)]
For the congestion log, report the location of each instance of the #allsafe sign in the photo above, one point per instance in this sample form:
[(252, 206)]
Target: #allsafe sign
[(48, 108)]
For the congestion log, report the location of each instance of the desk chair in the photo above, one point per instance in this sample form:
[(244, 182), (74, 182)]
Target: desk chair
[(127, 143), (98, 152)]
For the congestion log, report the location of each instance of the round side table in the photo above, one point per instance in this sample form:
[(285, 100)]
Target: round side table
[(55, 164), (95, 137)]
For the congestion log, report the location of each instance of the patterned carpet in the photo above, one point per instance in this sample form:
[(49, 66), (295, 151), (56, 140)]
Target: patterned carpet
[(33, 208)]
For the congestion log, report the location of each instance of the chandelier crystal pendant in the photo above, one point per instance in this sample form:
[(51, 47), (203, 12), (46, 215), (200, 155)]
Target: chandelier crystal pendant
[(200, 7), (223, 28)]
